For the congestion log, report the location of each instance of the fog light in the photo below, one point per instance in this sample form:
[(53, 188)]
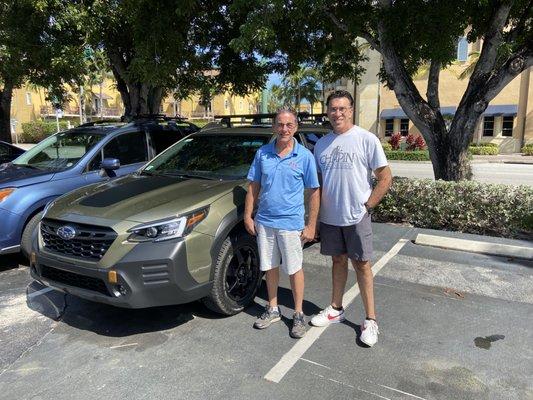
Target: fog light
[(121, 290)]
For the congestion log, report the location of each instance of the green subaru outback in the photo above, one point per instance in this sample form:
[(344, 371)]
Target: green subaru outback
[(170, 233)]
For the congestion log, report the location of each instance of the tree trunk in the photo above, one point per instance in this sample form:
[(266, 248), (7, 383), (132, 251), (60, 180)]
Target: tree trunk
[(448, 154), (138, 98), (5, 112)]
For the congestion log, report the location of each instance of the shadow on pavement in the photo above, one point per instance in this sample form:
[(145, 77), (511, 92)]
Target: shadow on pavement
[(285, 302), (10, 261), (111, 321)]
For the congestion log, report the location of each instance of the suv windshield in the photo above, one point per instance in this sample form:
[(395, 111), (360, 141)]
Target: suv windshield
[(209, 156), (60, 151)]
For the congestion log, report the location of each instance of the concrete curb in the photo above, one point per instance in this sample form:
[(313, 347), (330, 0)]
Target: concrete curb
[(473, 246)]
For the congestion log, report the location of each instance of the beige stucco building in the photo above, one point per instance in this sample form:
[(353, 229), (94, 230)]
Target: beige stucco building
[(508, 121), (29, 104)]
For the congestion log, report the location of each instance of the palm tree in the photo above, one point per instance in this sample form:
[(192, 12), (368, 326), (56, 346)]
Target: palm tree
[(304, 83)]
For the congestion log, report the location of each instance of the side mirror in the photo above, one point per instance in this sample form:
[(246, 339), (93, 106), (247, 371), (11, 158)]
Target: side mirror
[(108, 167)]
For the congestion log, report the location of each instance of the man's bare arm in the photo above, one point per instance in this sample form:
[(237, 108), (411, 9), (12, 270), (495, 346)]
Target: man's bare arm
[(384, 178), (309, 231), (249, 203)]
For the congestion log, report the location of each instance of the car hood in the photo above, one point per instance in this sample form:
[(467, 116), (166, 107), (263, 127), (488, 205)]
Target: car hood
[(138, 198), (18, 176)]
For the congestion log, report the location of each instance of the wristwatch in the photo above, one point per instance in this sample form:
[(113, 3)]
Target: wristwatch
[(369, 209)]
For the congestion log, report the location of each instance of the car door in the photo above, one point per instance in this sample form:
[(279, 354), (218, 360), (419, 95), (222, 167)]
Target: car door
[(129, 148)]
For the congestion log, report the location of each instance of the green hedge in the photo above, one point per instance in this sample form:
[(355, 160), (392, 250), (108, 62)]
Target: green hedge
[(467, 206), (419, 155), (35, 131), (386, 146), (528, 149), (484, 149), (483, 145)]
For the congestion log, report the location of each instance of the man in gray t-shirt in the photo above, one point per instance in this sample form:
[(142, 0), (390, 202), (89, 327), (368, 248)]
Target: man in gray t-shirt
[(346, 159)]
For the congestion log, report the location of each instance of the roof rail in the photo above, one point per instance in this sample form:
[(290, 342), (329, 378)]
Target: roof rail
[(157, 117), (99, 122), (258, 119)]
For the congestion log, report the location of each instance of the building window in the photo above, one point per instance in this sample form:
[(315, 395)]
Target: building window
[(404, 127), (488, 126), (507, 126), (28, 98), (462, 49), (389, 127)]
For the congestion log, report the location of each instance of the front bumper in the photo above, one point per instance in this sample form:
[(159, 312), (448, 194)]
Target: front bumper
[(149, 275), (10, 231)]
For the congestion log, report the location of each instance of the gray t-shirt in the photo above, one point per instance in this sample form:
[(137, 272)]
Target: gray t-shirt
[(346, 162)]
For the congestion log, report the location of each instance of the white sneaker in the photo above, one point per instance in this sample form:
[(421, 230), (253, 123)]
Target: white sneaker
[(369, 332), (328, 316)]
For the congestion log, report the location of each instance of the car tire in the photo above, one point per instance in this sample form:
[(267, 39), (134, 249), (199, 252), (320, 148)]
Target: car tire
[(27, 233), (237, 276)]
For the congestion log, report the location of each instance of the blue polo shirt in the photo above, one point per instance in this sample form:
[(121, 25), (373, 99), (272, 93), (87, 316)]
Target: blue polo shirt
[(283, 180)]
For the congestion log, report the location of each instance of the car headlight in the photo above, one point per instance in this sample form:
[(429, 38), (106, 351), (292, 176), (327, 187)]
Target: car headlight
[(169, 228), (4, 193)]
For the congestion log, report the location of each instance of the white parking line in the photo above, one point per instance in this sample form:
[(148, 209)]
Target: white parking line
[(399, 391), (290, 358), (39, 292)]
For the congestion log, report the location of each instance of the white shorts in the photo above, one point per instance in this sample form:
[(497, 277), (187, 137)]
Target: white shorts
[(279, 247)]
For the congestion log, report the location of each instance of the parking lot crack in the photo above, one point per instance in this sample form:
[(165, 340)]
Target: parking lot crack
[(28, 350)]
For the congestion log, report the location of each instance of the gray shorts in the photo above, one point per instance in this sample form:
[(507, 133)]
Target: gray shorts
[(353, 240), (279, 247)]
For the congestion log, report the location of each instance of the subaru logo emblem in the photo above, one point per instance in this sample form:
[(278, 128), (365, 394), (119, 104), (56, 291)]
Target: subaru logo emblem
[(66, 232)]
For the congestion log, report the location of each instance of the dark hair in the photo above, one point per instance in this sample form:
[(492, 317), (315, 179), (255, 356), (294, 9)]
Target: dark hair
[(339, 94), (286, 110)]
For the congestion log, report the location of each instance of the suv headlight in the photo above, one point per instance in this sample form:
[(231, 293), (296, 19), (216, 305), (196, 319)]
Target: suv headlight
[(4, 193), (169, 228)]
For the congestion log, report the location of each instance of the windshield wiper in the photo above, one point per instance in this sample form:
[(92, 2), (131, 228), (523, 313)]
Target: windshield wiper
[(186, 175), (148, 173), (27, 166)]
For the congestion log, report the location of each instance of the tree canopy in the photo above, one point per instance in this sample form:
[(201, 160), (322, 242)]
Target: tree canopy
[(407, 34), (170, 45), (39, 44)]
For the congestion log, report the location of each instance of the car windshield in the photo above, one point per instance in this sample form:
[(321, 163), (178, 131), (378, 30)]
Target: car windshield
[(209, 156), (60, 151)]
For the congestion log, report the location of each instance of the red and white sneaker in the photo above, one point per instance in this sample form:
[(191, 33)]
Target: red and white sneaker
[(369, 332), (328, 316)]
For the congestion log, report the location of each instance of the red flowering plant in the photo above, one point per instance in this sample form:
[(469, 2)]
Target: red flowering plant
[(395, 141), (415, 143)]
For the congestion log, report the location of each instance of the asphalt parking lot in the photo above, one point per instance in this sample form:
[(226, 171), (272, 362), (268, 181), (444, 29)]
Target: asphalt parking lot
[(454, 325)]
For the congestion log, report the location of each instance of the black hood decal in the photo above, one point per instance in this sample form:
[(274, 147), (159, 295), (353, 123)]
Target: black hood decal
[(114, 194)]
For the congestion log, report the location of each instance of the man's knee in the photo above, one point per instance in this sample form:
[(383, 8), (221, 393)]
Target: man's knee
[(361, 265), (341, 260)]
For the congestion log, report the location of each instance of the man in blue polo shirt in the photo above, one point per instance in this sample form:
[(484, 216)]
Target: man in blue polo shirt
[(280, 172)]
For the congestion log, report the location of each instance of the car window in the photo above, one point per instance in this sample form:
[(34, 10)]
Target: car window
[(164, 138), (311, 138), (129, 148), (216, 156), (4, 150), (60, 151)]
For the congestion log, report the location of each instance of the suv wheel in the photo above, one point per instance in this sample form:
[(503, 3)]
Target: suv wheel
[(27, 233), (236, 275)]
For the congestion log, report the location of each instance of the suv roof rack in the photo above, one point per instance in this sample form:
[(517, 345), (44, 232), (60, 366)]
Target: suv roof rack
[(265, 120), (158, 117), (99, 122)]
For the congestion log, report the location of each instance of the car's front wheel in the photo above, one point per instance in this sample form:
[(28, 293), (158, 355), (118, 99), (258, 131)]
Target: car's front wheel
[(236, 275), (25, 241)]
